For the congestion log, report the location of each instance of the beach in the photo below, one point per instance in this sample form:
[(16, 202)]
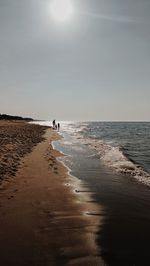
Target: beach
[(44, 220), (16, 140), (61, 204)]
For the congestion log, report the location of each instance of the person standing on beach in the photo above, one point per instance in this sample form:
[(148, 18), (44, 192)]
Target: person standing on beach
[(58, 126), (54, 124)]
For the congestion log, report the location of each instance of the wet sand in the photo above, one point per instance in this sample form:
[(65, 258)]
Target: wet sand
[(44, 220)]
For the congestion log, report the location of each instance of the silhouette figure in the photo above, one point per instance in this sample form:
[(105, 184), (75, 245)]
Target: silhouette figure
[(54, 124)]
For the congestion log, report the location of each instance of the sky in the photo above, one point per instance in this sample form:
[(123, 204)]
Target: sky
[(93, 66)]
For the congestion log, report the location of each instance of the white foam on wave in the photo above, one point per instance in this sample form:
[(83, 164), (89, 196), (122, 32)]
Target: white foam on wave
[(42, 123), (114, 158)]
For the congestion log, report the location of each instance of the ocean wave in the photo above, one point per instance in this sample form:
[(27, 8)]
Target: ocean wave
[(115, 158), (109, 153)]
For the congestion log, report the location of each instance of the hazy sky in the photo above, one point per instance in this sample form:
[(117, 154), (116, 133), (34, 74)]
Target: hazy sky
[(95, 66)]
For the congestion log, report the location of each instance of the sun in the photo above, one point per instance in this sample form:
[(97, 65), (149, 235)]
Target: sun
[(61, 10)]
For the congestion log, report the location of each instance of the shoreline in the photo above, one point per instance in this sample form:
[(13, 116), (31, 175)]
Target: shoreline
[(124, 235), (40, 211)]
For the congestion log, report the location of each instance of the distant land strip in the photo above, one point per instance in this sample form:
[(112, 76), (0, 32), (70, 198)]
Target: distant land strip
[(11, 117)]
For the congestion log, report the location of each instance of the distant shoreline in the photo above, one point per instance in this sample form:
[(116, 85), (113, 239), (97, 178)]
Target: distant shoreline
[(12, 117)]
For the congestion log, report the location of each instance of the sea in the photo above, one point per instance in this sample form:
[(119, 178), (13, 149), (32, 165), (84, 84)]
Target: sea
[(124, 147), (113, 160)]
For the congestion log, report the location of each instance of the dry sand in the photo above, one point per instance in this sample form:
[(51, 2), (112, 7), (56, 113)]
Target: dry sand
[(42, 220), (16, 139)]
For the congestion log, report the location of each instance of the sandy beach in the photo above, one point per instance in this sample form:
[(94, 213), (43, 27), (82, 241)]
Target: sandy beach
[(16, 140), (43, 220)]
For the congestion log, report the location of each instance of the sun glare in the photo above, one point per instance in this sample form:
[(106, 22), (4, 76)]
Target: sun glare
[(61, 10)]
